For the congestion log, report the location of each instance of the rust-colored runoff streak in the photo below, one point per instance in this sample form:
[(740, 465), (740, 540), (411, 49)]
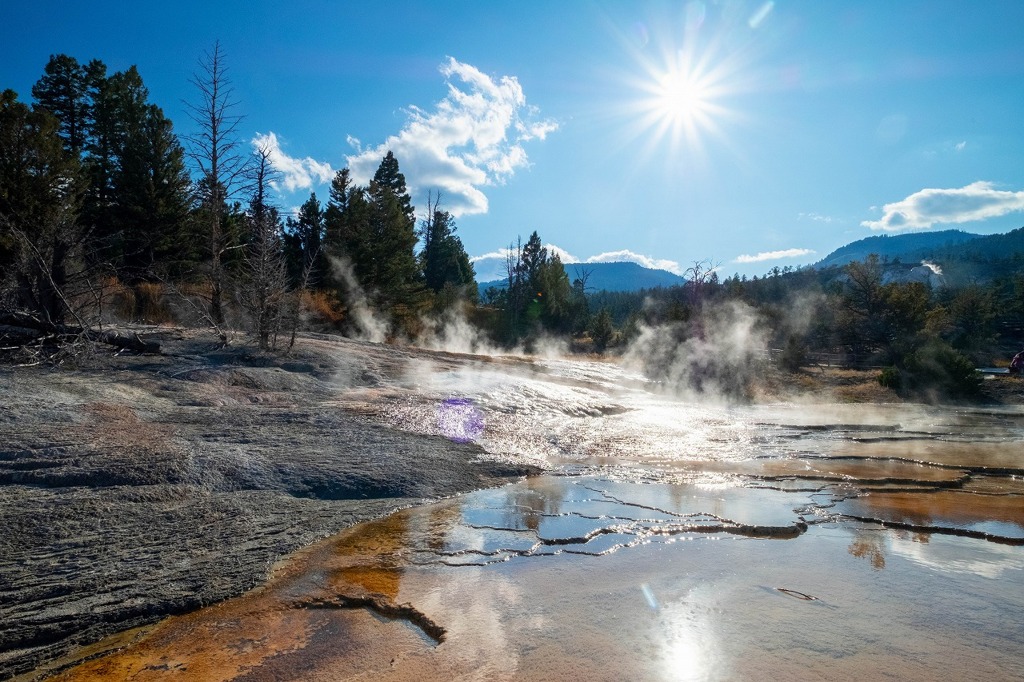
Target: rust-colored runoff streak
[(946, 507), (302, 617)]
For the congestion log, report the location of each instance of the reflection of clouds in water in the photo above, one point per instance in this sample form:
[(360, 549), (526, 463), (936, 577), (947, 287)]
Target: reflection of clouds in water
[(949, 554), (485, 626)]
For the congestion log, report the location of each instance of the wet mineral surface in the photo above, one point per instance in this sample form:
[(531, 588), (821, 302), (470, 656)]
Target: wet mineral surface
[(137, 487), (668, 539)]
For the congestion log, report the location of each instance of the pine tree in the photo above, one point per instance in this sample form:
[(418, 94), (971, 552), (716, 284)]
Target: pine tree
[(305, 245), (444, 259), (153, 198), (40, 194), (388, 177), (63, 91), (392, 271), (555, 295), (346, 225)]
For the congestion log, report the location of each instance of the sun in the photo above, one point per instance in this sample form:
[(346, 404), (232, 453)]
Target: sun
[(680, 103), (678, 87), (681, 98)]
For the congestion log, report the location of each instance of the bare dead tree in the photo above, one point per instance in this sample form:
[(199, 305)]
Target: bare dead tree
[(583, 276), (265, 288), (514, 294), (701, 274), (295, 307), (215, 150), (426, 233)]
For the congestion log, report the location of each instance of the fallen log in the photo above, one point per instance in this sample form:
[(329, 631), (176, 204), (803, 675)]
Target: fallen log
[(21, 321)]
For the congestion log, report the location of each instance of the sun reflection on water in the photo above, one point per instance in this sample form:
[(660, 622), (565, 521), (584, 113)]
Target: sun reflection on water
[(688, 641)]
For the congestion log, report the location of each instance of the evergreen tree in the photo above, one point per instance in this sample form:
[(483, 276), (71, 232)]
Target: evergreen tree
[(305, 245), (444, 259), (63, 90), (150, 190), (389, 263), (136, 200), (389, 178), (602, 331), (554, 294), (119, 108), (40, 194), (534, 256), (346, 224)]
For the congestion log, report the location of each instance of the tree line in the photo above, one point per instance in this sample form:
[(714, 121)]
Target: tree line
[(104, 209)]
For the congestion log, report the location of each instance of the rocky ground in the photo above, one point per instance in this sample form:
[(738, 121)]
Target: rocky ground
[(133, 487)]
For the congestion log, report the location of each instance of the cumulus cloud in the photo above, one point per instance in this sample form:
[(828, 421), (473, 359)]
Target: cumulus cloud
[(773, 255), (503, 253), (921, 210), (563, 255), (626, 256), (295, 173), (493, 263), (472, 139)]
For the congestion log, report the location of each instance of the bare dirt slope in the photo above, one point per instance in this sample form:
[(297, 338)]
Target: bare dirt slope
[(134, 487)]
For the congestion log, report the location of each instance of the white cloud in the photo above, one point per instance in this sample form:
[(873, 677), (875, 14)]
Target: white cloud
[(493, 263), (500, 254), (773, 255), (921, 210), (960, 146), (472, 139), (626, 256), (503, 253), (295, 173), (563, 255)]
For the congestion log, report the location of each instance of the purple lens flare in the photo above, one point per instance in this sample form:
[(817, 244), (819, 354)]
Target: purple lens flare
[(459, 420)]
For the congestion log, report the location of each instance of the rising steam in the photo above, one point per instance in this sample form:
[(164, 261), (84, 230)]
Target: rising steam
[(713, 357), (367, 324)]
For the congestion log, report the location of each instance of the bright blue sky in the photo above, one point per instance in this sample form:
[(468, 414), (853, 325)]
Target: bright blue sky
[(752, 133)]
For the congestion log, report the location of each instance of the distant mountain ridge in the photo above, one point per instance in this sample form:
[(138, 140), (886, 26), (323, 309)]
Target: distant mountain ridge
[(620, 276), (960, 257), (903, 246)]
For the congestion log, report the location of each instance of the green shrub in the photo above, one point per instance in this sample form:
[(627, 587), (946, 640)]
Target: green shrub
[(891, 378)]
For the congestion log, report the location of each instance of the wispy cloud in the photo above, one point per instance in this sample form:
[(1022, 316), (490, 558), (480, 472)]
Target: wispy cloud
[(921, 210), (773, 255), (295, 173), (960, 146), (817, 217), (472, 139)]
